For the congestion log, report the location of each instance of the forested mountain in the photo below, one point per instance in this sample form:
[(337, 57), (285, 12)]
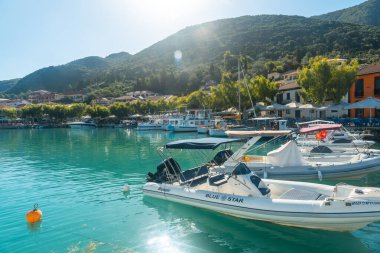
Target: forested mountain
[(367, 13), (71, 76), (268, 42)]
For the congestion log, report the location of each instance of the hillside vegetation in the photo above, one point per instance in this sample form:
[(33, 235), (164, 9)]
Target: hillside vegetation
[(267, 42), (366, 13)]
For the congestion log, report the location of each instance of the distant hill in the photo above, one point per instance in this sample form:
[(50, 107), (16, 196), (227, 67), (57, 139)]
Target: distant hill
[(7, 84), (367, 13), (70, 76), (262, 38)]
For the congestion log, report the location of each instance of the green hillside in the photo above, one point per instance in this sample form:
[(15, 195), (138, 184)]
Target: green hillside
[(367, 13), (71, 76), (288, 40), (7, 84)]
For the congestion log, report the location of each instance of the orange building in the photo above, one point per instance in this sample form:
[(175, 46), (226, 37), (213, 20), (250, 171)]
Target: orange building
[(367, 85)]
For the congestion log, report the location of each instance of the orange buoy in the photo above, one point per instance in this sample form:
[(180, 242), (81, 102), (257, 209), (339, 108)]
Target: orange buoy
[(34, 215)]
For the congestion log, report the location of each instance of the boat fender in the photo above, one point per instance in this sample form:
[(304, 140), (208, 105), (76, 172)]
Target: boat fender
[(320, 176), (265, 174), (34, 215)]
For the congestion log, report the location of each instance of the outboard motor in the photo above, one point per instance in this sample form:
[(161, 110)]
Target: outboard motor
[(321, 149), (167, 170)]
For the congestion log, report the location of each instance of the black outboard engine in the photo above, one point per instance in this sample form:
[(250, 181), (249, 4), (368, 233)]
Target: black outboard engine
[(166, 171), (222, 156), (321, 149)]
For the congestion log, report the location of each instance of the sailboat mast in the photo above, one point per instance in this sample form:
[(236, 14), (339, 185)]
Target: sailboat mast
[(239, 83)]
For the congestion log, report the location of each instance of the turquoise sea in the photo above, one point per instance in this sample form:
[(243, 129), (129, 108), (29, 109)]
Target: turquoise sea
[(77, 177)]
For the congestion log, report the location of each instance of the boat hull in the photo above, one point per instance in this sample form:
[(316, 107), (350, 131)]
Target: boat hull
[(174, 128), (202, 130), (148, 127), (338, 171), (217, 132), (81, 126), (315, 215)]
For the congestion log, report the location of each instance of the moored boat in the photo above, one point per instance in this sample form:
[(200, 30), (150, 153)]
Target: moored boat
[(82, 124), (243, 194), (202, 130), (287, 162)]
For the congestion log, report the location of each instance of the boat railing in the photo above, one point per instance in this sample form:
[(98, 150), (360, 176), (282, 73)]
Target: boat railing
[(275, 140)]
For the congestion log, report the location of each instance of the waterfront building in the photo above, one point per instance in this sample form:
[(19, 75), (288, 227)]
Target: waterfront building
[(366, 85)]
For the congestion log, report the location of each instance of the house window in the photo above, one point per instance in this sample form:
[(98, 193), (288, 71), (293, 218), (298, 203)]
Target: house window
[(377, 86), (298, 98), (377, 113), (287, 111), (359, 88), (359, 113), (279, 98), (288, 96)]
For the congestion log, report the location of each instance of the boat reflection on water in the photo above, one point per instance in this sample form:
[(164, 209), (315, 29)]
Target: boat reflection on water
[(191, 229)]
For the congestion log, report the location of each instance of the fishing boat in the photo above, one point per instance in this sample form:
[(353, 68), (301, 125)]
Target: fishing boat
[(243, 194), (191, 122), (288, 162)]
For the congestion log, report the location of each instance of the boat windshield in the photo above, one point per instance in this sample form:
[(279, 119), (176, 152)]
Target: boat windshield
[(241, 169)]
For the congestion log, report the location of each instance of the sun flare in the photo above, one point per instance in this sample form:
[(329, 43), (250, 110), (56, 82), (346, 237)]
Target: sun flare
[(168, 9)]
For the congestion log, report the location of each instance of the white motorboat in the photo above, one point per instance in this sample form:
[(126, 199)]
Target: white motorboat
[(243, 194), (191, 121), (287, 162), (152, 124), (82, 124), (331, 136)]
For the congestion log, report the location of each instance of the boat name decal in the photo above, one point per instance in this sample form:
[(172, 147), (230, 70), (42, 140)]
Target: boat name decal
[(224, 198), (163, 189), (357, 203)]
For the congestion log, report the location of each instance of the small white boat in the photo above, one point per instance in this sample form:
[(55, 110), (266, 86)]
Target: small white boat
[(152, 124), (331, 136), (243, 194), (217, 132), (287, 162), (191, 121), (82, 124)]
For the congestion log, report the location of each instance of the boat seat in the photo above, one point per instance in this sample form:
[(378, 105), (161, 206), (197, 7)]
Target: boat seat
[(297, 194), (195, 174), (222, 156), (217, 180)]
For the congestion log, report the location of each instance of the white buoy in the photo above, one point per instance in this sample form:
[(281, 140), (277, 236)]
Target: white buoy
[(126, 188)]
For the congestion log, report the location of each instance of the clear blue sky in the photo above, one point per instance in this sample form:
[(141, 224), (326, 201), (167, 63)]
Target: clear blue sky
[(42, 33)]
